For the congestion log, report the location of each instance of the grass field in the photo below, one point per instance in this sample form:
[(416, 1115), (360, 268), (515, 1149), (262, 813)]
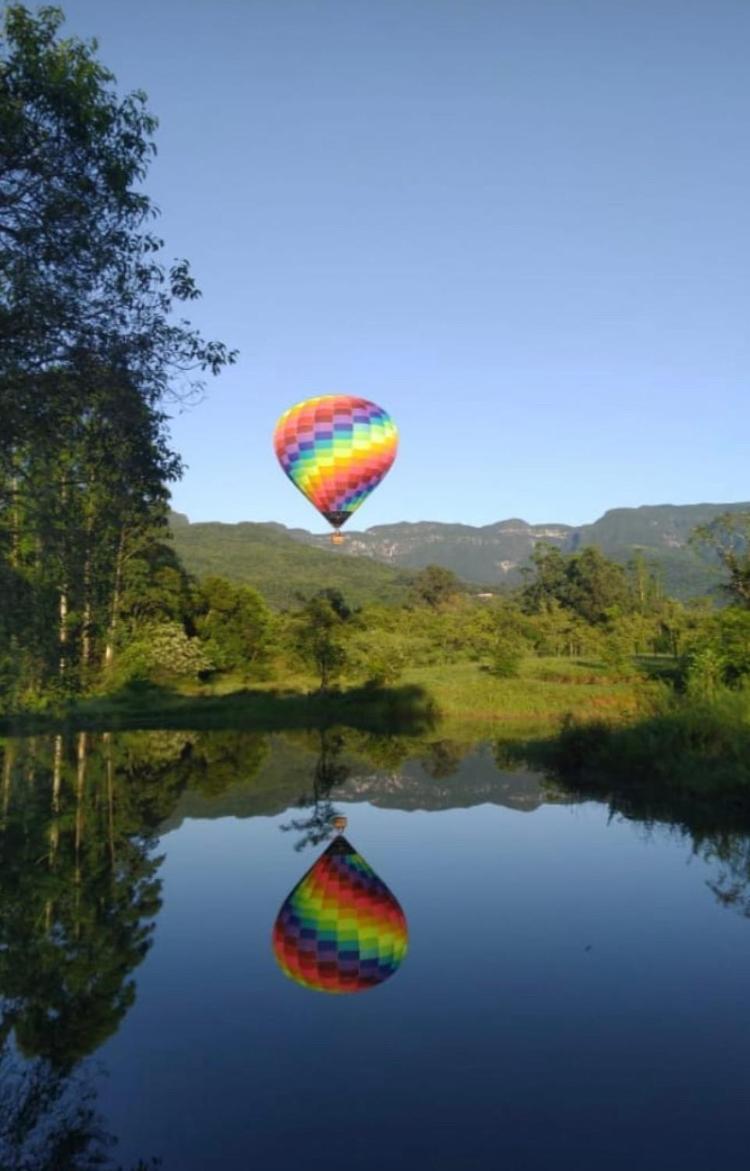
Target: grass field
[(544, 692)]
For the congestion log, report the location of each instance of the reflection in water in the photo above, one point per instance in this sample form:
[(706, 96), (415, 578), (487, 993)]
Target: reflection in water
[(78, 895), (341, 929), (327, 772), (717, 829), (81, 816)]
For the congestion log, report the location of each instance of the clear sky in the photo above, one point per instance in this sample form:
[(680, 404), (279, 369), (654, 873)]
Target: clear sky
[(522, 226)]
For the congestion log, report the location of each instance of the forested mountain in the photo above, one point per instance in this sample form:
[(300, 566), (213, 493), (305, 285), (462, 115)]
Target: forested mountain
[(269, 557), (276, 561)]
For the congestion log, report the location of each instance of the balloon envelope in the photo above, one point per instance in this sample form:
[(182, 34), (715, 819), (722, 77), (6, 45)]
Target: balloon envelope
[(341, 929), (336, 449)]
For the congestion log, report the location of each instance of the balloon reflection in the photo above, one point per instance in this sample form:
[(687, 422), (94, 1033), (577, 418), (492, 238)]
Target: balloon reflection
[(340, 929)]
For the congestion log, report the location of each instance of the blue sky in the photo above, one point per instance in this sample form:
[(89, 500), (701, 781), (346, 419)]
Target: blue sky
[(520, 225)]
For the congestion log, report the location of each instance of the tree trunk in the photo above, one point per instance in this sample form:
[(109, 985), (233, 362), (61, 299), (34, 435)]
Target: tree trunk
[(54, 831), (62, 629), (107, 740), (62, 635), (109, 649), (80, 791), (7, 778), (86, 628), (15, 521), (86, 625)]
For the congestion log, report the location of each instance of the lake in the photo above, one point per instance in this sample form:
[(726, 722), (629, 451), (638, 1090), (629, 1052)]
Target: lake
[(574, 991)]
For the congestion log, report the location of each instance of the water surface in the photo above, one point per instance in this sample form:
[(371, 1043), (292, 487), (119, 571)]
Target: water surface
[(574, 993)]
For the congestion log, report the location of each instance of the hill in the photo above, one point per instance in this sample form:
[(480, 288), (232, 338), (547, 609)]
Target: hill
[(281, 566), (374, 563)]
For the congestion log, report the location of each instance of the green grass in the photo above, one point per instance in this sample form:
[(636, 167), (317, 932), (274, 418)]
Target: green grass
[(544, 692)]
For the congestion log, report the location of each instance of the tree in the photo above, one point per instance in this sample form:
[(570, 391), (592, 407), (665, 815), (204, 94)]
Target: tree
[(547, 581), (434, 586), (91, 349), (595, 585), (721, 644), (728, 536), (587, 583), (319, 634), (235, 625)]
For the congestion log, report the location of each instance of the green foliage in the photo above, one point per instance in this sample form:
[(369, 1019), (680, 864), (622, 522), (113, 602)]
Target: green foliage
[(383, 663), (728, 536), (507, 656), (723, 641), (90, 348), (586, 583), (699, 744), (235, 626), (434, 586), (705, 673), (319, 635), (280, 568), (162, 650)]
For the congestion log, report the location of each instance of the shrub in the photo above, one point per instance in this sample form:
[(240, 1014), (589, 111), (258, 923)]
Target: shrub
[(160, 651), (507, 656)]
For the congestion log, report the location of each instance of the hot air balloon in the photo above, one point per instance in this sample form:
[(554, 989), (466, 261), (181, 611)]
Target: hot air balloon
[(341, 929), (336, 448)]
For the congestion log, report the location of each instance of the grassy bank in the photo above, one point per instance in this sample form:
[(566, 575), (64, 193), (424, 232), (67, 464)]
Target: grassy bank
[(699, 748), (464, 694), (404, 708)]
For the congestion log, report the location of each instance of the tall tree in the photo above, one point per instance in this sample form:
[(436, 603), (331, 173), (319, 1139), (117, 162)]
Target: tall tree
[(90, 351), (434, 586)]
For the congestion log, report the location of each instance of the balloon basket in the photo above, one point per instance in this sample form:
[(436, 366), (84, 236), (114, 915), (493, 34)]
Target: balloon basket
[(337, 538)]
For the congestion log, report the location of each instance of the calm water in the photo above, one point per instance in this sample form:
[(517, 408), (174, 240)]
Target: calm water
[(575, 992)]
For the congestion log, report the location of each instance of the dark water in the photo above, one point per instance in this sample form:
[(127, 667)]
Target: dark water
[(575, 992)]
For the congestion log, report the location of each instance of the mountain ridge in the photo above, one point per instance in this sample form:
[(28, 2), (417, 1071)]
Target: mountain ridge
[(379, 560)]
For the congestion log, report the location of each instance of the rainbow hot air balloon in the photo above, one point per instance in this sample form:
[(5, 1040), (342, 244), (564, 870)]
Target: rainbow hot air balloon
[(336, 449), (341, 929)]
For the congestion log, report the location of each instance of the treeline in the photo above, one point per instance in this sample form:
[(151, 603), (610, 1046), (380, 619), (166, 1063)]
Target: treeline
[(90, 352), (178, 631)]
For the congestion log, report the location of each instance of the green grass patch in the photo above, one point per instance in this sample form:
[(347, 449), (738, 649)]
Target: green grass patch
[(539, 697)]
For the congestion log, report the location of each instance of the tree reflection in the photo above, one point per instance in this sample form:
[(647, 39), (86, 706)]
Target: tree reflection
[(718, 828), (328, 771), (78, 895), (731, 851), (49, 1121)]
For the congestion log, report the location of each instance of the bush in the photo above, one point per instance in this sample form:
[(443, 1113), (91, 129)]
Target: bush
[(705, 673), (720, 653), (384, 667), (160, 651), (507, 656)]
